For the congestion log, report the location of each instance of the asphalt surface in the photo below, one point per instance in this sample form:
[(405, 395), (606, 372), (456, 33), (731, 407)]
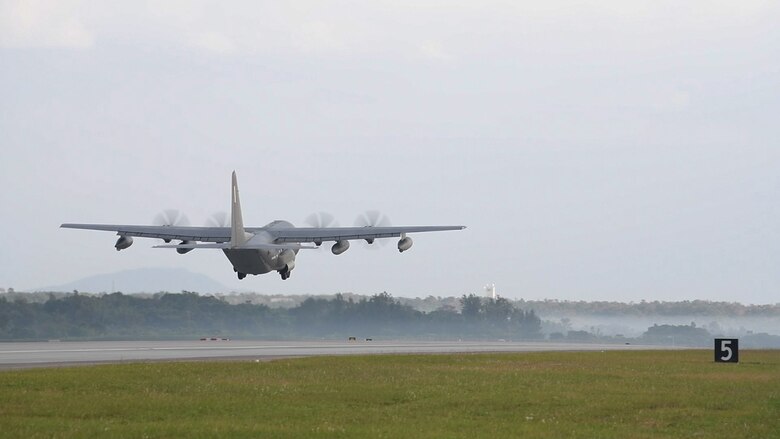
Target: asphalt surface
[(55, 353)]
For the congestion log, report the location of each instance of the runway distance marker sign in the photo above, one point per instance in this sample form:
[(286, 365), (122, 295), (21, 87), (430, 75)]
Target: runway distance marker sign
[(727, 350)]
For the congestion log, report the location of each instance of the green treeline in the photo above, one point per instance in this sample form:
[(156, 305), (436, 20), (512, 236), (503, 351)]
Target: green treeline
[(190, 315)]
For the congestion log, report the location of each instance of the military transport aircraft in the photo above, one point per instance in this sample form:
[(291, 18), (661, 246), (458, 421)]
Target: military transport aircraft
[(258, 250)]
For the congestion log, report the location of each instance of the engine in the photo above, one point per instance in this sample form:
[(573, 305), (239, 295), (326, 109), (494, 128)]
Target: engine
[(404, 244), (339, 247), (181, 251), (123, 242)]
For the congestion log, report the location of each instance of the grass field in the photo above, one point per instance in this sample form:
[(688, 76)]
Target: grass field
[(595, 394)]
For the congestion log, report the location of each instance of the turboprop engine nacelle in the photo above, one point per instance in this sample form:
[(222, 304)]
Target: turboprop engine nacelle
[(181, 251), (404, 244), (123, 242), (339, 247)]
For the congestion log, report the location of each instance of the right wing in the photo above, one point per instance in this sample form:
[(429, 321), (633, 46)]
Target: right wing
[(323, 234)]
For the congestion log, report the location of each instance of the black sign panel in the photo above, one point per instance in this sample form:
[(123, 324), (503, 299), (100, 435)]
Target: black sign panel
[(726, 350)]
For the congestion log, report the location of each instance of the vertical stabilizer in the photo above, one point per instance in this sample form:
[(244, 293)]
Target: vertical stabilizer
[(238, 235)]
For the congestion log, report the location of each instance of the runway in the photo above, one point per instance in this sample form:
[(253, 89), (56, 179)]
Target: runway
[(40, 354)]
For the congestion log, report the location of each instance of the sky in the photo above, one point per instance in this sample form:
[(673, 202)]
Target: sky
[(604, 150)]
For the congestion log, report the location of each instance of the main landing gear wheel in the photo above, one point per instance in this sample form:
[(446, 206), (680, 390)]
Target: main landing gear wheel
[(285, 275), (241, 275)]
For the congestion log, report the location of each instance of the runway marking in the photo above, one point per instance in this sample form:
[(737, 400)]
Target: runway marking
[(263, 347), (29, 354)]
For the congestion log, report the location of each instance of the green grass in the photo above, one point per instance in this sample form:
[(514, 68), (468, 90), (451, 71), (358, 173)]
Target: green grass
[(595, 394)]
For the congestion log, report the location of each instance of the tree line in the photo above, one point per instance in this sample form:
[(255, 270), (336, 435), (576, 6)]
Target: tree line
[(545, 308), (189, 315)]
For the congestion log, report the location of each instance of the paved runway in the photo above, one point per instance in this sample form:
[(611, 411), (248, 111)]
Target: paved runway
[(36, 354)]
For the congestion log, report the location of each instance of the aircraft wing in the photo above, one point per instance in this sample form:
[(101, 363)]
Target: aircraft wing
[(202, 234), (279, 235), (322, 234)]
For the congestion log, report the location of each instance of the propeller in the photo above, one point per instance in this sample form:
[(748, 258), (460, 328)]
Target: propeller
[(320, 220), (218, 219), (373, 218), (171, 218)]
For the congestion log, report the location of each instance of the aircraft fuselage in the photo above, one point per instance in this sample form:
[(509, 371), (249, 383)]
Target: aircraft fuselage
[(254, 261)]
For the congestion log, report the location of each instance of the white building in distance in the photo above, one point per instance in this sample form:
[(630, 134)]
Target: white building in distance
[(490, 291)]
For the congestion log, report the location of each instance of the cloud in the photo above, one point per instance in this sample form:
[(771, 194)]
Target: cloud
[(35, 23), (666, 99), (434, 50), (214, 42), (399, 28)]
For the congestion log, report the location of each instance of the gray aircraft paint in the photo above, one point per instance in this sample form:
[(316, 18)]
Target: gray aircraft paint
[(256, 250)]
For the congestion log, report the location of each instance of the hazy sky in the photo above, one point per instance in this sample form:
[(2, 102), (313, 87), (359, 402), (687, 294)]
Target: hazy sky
[(618, 150)]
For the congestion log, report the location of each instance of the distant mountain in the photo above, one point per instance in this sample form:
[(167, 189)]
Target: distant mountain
[(143, 280)]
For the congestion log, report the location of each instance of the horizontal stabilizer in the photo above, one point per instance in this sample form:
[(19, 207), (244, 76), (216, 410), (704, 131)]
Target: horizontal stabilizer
[(278, 246), (217, 245), (227, 245)]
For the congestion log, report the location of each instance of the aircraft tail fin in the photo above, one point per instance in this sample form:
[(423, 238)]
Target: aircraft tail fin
[(238, 235)]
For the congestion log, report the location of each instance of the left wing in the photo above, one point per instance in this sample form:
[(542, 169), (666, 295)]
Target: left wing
[(202, 234)]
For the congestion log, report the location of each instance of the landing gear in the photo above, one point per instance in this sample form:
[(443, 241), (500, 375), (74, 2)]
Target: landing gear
[(285, 274), (241, 275)]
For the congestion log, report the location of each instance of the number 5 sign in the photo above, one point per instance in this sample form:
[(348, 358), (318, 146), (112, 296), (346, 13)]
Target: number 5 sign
[(726, 350)]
